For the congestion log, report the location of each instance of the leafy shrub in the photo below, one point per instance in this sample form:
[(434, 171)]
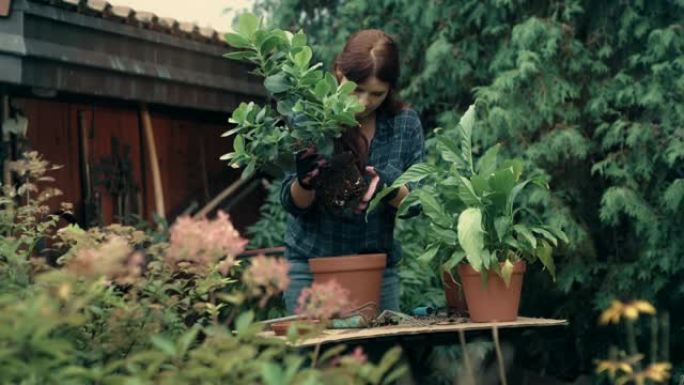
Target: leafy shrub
[(121, 307)]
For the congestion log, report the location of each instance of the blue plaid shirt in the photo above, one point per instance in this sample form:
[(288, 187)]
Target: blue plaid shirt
[(312, 232)]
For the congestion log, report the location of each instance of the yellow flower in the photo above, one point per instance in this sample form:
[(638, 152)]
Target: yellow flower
[(612, 367), (629, 310), (658, 372)]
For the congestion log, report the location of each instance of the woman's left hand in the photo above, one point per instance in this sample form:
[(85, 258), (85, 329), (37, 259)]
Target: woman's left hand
[(372, 189)]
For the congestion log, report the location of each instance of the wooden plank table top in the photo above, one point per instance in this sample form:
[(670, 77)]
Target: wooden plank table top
[(345, 335)]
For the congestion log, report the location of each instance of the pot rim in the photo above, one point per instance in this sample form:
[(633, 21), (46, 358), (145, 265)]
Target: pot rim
[(353, 262), (464, 269)]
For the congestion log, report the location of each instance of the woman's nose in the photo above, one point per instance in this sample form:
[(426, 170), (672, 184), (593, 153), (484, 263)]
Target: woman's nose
[(364, 100)]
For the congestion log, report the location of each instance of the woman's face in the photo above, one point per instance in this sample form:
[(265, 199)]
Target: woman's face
[(371, 93)]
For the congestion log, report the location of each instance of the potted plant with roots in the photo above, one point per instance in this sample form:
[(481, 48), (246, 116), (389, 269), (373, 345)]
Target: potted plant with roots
[(307, 108), (478, 227)]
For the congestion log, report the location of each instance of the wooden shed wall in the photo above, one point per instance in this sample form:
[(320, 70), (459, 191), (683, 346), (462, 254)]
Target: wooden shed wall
[(188, 151)]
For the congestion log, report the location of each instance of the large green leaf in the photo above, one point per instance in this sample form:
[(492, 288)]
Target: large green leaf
[(415, 173), (480, 186), (446, 236), (526, 234), (239, 144), (238, 55), (247, 24), (545, 255), (269, 44), (466, 129), (546, 234), (346, 87), (487, 162), (518, 166), (303, 57), (236, 41), (322, 88), (456, 257), (433, 209), (510, 199), (273, 374), (502, 182), (428, 255), (471, 236), (558, 233), (502, 225), (507, 272), (406, 204), (243, 322), (164, 344), (448, 149), (299, 39), (467, 193), (277, 83)]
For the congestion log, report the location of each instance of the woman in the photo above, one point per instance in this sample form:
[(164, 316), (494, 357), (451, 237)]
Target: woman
[(388, 140)]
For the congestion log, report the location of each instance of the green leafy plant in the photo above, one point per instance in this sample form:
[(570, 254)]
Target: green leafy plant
[(473, 207), (311, 108), (121, 306), (590, 93)]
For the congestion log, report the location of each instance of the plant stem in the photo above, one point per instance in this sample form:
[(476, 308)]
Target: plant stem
[(632, 349), (665, 336), (654, 339)]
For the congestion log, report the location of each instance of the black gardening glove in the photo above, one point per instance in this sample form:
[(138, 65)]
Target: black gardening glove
[(309, 163)]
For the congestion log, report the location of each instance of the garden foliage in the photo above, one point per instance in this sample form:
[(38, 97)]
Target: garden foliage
[(120, 306), (592, 94)]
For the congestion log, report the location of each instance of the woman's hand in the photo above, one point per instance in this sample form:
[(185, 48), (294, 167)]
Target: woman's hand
[(370, 192), (308, 165)]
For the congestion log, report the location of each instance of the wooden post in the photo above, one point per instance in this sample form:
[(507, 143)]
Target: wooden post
[(6, 140), (220, 197), (154, 161)]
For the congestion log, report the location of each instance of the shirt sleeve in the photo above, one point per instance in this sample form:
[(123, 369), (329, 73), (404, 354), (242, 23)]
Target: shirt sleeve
[(415, 153), (286, 197), (415, 142)]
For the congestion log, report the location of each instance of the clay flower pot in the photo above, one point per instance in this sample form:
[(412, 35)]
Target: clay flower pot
[(453, 293), (494, 301), (359, 274), (303, 326)]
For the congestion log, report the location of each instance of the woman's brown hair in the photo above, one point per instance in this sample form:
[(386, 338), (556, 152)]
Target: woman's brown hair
[(369, 52)]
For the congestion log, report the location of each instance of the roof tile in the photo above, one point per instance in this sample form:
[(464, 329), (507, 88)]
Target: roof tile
[(98, 6), (121, 12), (102, 8)]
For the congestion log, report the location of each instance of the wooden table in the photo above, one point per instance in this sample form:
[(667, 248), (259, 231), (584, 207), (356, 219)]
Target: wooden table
[(334, 336)]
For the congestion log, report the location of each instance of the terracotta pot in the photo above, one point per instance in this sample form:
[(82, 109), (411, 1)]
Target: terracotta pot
[(5, 8), (453, 293), (303, 326), (494, 301), (360, 274)]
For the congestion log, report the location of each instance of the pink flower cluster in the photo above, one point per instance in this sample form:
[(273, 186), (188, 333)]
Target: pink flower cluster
[(197, 244), (322, 300), (267, 272), (266, 276), (113, 259), (355, 357)]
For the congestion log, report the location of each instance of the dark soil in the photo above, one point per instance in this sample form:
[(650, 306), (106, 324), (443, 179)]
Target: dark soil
[(340, 185)]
